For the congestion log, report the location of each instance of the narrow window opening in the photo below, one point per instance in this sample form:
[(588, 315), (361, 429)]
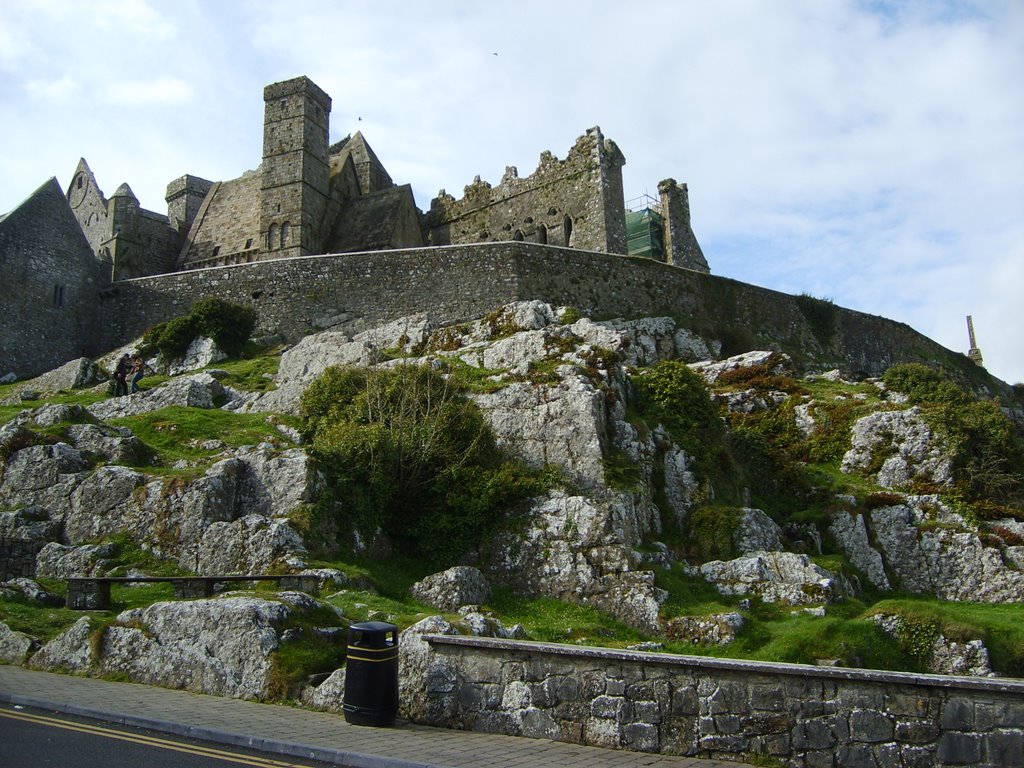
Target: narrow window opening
[(286, 233), (567, 230), (248, 244), (272, 237), (542, 234), (518, 237)]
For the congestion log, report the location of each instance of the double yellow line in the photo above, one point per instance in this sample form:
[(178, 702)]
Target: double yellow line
[(151, 741)]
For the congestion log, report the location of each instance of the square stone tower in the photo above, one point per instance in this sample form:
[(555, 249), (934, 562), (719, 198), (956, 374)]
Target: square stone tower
[(296, 168)]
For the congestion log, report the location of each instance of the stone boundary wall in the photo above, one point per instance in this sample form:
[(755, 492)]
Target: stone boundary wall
[(352, 291), (725, 709)]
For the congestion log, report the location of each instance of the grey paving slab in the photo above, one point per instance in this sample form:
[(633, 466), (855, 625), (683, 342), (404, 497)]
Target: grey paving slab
[(302, 733)]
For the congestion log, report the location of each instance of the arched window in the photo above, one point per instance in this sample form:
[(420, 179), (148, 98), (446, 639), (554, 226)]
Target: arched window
[(518, 236), (286, 233), (542, 234), (567, 230), (272, 237)]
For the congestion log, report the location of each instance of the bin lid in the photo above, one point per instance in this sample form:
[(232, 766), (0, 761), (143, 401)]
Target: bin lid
[(374, 626)]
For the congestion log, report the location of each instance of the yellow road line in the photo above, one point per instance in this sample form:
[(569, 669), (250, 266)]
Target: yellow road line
[(152, 741)]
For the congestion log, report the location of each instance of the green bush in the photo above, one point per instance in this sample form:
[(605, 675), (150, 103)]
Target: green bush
[(988, 458), (229, 325), (406, 453), (671, 394)]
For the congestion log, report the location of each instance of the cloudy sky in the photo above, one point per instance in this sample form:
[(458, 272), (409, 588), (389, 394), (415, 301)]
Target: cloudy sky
[(871, 153)]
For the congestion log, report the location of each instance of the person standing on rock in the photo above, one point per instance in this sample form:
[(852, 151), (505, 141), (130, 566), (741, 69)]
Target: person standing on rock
[(138, 371), (124, 365)]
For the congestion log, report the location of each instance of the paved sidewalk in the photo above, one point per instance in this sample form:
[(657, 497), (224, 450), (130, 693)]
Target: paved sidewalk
[(302, 733)]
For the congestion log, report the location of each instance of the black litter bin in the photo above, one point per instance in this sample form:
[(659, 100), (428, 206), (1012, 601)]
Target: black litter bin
[(371, 677)]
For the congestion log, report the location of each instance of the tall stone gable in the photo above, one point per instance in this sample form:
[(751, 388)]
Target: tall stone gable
[(295, 174), (49, 285)]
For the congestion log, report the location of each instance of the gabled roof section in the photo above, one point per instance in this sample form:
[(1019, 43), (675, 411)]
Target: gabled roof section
[(373, 177), (384, 219), (48, 204)]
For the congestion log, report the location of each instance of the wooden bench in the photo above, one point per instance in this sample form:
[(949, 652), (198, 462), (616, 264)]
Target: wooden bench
[(92, 593)]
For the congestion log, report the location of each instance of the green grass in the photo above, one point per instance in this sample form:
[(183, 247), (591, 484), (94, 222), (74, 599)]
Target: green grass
[(555, 621), (253, 374), (1000, 626), (176, 433)]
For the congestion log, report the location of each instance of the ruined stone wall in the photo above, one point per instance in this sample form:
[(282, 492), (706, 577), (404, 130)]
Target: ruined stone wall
[(143, 242), (49, 282), (293, 297), (721, 708), (575, 202), (226, 229)]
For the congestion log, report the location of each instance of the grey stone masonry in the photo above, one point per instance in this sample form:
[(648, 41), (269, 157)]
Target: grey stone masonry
[(354, 291), (576, 202), (725, 709)]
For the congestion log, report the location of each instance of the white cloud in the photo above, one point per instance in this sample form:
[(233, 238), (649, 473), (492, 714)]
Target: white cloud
[(164, 90)]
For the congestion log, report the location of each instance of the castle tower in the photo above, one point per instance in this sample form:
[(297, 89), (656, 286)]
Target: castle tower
[(184, 197), (681, 246), (296, 168), (973, 354)]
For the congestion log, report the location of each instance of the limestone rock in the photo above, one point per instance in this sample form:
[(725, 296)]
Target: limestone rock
[(250, 545), (201, 352), (328, 696), (449, 590), (15, 647), (31, 591), (711, 371), (109, 442), (775, 577), (38, 472), (426, 681), (945, 657), (24, 533), (222, 646), (681, 486), (70, 651), (75, 374), (198, 391), (479, 624), (560, 424), (750, 400), (691, 348), (757, 532), (912, 450), (851, 533), (715, 629), (60, 561)]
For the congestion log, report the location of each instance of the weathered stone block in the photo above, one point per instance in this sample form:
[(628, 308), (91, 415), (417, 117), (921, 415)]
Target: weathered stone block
[(814, 734), (1005, 749), (870, 726), (642, 737), (916, 732), (958, 715), (960, 749), (614, 707), (646, 712), (538, 724)]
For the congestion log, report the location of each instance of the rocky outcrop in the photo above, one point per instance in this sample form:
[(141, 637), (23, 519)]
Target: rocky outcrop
[(222, 646), (904, 445), (716, 629), (201, 390), (775, 577), (15, 647), (452, 589), (924, 547), (942, 655), (75, 374)]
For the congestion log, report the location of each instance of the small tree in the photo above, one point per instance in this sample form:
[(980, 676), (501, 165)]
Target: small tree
[(406, 452)]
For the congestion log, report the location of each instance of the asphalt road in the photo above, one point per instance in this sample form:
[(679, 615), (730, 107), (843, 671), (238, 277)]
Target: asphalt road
[(34, 738)]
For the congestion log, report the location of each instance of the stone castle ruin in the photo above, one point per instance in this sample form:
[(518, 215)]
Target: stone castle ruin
[(65, 253), (319, 236)]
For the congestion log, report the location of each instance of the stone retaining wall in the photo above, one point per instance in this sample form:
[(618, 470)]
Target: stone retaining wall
[(721, 708), (351, 292)]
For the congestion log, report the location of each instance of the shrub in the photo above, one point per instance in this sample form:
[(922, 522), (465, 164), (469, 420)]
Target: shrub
[(229, 325), (671, 394), (987, 455), (411, 456)]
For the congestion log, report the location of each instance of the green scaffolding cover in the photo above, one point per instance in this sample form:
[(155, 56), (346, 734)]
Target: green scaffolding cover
[(644, 234)]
